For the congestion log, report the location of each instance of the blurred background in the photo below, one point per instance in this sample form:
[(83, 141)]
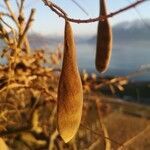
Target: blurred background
[(131, 36)]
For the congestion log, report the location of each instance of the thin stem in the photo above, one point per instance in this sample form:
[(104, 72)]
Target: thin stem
[(11, 12), (29, 22), (98, 134)]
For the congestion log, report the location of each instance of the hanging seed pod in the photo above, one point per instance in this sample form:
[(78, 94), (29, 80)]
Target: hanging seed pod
[(104, 41), (70, 94)]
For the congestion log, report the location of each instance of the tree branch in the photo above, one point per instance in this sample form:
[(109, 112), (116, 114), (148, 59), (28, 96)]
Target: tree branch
[(30, 20), (61, 13)]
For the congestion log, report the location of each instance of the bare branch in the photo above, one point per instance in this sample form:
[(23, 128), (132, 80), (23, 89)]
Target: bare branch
[(4, 33), (4, 22), (29, 23), (11, 12), (61, 13), (21, 6)]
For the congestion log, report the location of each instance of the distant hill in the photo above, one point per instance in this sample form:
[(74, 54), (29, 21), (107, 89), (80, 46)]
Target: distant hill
[(125, 32), (38, 40), (135, 31)]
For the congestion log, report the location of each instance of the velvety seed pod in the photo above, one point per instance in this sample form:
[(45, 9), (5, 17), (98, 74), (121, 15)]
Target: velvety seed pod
[(70, 93), (104, 41)]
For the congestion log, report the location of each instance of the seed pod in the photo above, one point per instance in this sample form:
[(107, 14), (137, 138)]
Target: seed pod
[(104, 41), (70, 93)]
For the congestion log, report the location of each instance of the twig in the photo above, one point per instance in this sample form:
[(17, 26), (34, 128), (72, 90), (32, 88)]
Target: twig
[(93, 145), (29, 22), (123, 79), (98, 134), (4, 22), (138, 136), (20, 24), (14, 18), (104, 130), (21, 6), (112, 81), (10, 131), (61, 13), (27, 45), (4, 34), (52, 139)]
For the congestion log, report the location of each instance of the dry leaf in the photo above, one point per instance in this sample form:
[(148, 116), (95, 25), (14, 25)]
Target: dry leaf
[(104, 41), (70, 93)]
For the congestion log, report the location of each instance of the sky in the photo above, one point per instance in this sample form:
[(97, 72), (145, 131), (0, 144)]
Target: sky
[(48, 23)]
